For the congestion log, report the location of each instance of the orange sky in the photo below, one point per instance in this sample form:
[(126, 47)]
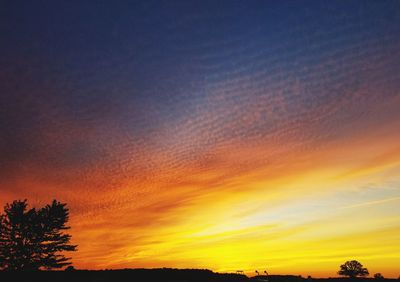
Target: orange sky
[(287, 208)]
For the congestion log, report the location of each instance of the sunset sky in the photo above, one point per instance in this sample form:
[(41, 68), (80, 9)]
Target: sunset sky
[(228, 135)]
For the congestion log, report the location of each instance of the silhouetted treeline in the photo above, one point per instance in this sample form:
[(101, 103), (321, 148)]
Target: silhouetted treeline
[(163, 274), (294, 278)]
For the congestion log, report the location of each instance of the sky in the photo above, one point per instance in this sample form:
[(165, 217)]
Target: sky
[(228, 135)]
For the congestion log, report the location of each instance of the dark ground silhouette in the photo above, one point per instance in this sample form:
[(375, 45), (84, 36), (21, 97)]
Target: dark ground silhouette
[(163, 274)]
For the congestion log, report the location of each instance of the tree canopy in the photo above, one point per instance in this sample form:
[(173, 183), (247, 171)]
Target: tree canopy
[(33, 239), (353, 269)]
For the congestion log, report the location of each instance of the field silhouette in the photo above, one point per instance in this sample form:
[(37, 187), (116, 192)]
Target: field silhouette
[(161, 274)]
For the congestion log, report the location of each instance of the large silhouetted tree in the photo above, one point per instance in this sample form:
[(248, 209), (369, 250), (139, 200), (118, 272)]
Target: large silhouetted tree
[(33, 239), (353, 269)]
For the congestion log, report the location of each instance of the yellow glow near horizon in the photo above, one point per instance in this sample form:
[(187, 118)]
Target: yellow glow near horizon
[(321, 209), (307, 220)]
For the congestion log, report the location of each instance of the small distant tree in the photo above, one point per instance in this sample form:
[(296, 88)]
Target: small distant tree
[(378, 276), (33, 239), (353, 269)]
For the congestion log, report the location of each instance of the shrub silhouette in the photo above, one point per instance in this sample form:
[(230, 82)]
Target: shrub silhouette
[(32, 239), (353, 269), (378, 276), (70, 268)]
